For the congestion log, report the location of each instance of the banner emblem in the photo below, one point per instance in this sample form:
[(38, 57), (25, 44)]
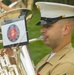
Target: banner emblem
[(13, 33)]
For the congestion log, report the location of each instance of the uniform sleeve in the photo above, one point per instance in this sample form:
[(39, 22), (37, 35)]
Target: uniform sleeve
[(63, 69)]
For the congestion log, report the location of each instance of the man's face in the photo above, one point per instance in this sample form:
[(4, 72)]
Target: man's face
[(52, 35)]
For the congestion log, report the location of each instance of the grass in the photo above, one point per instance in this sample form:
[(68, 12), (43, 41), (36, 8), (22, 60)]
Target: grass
[(37, 49), (73, 39)]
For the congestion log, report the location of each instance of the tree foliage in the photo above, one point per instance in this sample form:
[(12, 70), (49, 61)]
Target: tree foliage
[(7, 2), (71, 2)]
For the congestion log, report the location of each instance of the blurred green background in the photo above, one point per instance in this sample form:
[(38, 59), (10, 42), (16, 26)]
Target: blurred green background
[(37, 49), (71, 2)]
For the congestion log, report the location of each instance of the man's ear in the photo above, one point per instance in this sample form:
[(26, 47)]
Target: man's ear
[(66, 29)]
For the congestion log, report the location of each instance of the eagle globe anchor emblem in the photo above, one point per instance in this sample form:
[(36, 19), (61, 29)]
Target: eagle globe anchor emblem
[(13, 33)]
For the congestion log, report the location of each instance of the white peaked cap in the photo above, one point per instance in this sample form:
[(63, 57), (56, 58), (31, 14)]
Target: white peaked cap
[(52, 10)]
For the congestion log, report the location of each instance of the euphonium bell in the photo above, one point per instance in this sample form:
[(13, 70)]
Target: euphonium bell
[(15, 58)]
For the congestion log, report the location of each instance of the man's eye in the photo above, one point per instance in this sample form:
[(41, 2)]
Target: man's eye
[(46, 26)]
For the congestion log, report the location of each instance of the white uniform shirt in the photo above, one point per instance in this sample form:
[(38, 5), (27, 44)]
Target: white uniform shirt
[(51, 55)]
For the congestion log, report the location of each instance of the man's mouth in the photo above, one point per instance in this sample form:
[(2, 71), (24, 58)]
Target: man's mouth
[(44, 37)]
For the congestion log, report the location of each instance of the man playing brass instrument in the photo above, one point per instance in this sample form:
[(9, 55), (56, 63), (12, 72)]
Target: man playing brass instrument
[(3, 7), (57, 21), (16, 4), (22, 4), (10, 54)]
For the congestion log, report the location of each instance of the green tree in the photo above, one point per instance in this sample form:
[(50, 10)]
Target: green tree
[(71, 2), (7, 2)]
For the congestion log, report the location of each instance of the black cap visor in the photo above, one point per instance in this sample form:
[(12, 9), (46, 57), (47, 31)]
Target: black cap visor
[(46, 21)]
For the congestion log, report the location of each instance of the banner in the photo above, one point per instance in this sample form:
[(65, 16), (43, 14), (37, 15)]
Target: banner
[(14, 32)]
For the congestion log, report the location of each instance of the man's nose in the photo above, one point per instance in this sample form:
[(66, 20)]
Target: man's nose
[(43, 30)]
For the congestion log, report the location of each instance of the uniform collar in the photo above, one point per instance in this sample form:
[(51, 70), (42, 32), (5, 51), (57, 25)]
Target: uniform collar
[(60, 54)]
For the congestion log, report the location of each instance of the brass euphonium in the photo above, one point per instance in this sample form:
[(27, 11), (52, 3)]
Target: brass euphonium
[(15, 59)]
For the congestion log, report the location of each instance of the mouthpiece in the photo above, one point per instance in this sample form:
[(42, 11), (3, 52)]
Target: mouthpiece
[(36, 39)]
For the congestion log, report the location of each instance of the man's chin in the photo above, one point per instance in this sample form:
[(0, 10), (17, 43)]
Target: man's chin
[(47, 44)]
